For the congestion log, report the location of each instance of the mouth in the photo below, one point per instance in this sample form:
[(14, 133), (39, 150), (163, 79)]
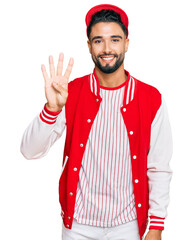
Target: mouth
[(107, 59)]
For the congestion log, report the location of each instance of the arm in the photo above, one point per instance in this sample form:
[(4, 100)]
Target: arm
[(159, 172), (46, 128), (42, 133)]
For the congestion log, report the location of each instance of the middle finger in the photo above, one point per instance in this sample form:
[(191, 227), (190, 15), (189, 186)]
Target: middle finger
[(60, 64)]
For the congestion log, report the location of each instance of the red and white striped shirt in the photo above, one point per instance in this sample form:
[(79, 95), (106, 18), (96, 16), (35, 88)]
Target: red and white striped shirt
[(105, 194)]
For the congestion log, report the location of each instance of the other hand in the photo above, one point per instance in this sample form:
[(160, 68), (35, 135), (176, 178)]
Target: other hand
[(153, 234)]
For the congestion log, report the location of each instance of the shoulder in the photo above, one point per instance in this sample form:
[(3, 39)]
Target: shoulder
[(148, 96), (146, 88), (77, 82), (147, 91)]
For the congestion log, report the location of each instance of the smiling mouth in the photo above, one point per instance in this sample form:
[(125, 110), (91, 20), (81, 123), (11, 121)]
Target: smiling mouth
[(108, 59)]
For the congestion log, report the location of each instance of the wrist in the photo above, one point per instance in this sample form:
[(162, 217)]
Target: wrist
[(157, 231), (49, 116), (53, 109), (156, 223)]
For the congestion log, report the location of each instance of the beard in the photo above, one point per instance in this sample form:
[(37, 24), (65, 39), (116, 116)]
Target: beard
[(107, 68)]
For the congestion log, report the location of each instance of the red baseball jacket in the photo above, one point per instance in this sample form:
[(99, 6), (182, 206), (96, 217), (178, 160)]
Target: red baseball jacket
[(150, 151), (82, 104)]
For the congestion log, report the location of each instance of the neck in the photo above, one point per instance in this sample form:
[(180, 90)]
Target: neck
[(112, 79)]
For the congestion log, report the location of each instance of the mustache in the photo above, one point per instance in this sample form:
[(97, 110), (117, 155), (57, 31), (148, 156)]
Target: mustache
[(105, 55)]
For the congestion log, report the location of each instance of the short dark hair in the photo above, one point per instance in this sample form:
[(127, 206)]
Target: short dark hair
[(106, 16)]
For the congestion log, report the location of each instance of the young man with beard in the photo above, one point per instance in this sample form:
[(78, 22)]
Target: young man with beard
[(118, 144)]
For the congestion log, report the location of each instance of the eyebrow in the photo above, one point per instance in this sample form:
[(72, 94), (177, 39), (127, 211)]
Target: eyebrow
[(113, 36), (96, 37), (116, 36)]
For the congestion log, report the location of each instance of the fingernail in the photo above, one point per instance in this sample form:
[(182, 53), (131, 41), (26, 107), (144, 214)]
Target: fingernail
[(71, 60), (61, 55), (50, 58)]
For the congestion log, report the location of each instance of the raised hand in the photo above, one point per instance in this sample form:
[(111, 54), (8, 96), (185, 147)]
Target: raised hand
[(56, 86)]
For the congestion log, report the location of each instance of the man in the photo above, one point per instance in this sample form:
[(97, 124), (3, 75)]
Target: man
[(118, 143)]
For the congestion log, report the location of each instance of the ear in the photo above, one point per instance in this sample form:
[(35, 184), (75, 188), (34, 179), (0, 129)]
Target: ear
[(89, 45), (126, 44)]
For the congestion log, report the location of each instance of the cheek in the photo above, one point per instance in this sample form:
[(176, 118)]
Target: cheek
[(118, 48), (122, 51), (95, 50)]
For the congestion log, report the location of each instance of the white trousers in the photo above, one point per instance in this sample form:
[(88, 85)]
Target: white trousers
[(126, 231)]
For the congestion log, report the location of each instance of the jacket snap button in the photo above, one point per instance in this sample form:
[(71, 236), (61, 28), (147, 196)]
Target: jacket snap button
[(131, 132), (67, 225), (69, 217), (136, 180), (75, 169), (134, 156), (88, 120), (71, 193), (81, 145), (139, 205), (97, 99), (124, 109)]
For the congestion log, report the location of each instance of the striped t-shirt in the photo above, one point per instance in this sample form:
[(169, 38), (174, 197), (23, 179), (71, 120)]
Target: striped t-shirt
[(105, 194)]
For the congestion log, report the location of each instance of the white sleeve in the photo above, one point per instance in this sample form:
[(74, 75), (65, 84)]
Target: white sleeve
[(42, 132), (159, 172)]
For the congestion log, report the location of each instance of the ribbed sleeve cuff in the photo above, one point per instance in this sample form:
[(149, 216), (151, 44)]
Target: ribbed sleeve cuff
[(156, 223), (49, 117)]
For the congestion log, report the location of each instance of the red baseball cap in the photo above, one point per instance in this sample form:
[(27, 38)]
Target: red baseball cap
[(95, 9)]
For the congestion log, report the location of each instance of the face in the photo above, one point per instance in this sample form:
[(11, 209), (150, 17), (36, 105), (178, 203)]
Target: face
[(107, 45)]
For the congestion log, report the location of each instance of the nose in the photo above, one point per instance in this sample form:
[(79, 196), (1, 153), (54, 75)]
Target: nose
[(107, 47)]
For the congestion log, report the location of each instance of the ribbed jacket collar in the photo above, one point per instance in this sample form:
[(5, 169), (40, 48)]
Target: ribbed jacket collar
[(129, 87)]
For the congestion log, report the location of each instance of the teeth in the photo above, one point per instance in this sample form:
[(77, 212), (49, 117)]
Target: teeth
[(108, 58)]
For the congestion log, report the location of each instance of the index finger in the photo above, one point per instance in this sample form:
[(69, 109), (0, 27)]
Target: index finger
[(45, 75), (69, 68)]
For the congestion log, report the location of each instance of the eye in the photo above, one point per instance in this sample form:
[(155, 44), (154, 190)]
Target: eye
[(115, 40), (97, 41)]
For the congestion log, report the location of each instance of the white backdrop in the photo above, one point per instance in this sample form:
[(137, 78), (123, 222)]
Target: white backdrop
[(160, 54)]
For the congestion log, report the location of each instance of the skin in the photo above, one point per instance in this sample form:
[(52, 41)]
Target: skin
[(105, 39), (108, 38), (56, 85), (153, 234)]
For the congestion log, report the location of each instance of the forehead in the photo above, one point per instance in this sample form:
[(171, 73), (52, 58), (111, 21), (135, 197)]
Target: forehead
[(106, 29)]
